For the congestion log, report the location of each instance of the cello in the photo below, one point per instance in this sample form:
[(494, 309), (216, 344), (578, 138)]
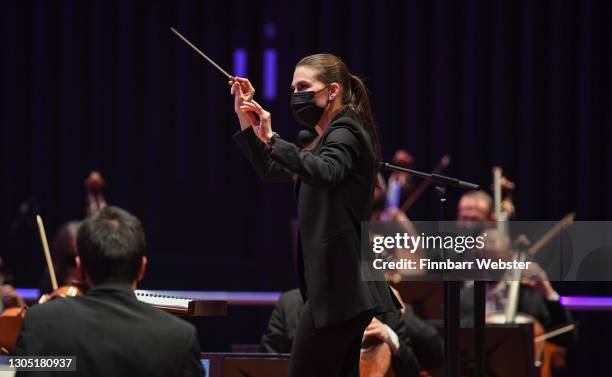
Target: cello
[(376, 355)]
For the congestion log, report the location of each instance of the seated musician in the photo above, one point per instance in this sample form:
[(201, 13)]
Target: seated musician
[(415, 345), (9, 298), (63, 248), (109, 331), (399, 184), (537, 297), (393, 192), (63, 252)]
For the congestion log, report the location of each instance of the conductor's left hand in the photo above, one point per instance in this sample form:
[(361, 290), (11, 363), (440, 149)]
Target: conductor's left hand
[(261, 126)]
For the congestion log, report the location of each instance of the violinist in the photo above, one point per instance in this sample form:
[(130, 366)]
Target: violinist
[(392, 193), (109, 331), (63, 247), (399, 183), (9, 298)]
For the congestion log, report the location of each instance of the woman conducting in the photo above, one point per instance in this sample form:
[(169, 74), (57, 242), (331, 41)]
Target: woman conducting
[(335, 178)]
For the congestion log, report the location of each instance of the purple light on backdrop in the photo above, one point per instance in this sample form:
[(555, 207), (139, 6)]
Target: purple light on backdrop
[(269, 76), (240, 62), (269, 30), (593, 303), (31, 294)]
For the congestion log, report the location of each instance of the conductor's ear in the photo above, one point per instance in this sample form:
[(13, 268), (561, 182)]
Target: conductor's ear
[(334, 91)]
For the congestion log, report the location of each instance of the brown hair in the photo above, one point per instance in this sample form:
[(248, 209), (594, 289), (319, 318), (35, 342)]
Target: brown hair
[(354, 93)]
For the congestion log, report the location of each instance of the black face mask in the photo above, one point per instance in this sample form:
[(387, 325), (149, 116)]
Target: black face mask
[(304, 108)]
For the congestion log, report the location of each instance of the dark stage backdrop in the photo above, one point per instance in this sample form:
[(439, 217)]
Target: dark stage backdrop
[(105, 85)]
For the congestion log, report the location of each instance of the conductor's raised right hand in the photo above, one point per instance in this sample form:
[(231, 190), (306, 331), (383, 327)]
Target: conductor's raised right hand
[(242, 90)]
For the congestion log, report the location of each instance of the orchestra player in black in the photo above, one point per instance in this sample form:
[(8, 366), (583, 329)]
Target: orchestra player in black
[(418, 344), (109, 331), (334, 183)]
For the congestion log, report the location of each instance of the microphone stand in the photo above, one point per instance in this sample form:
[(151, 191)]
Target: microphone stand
[(451, 288)]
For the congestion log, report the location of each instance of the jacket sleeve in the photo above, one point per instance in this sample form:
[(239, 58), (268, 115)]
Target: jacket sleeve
[(337, 156), (192, 365), (426, 342), (259, 156), (404, 361), (27, 343), (274, 339), (559, 316), (21, 348)]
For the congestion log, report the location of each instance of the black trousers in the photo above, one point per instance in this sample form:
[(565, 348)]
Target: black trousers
[(332, 351)]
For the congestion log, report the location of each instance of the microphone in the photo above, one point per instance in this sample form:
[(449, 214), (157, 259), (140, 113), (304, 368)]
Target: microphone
[(306, 136), (435, 178)]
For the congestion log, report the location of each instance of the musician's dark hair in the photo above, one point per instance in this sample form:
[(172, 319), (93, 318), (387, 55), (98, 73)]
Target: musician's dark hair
[(111, 243), (355, 97)]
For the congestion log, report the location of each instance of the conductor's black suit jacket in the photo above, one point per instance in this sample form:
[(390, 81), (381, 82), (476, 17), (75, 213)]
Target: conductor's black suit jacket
[(334, 187), (111, 333)]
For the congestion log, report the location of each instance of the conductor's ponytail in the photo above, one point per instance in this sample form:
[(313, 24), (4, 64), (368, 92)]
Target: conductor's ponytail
[(359, 103)]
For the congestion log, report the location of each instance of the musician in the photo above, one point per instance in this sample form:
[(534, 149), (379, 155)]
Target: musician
[(63, 247), (9, 298), (415, 345), (475, 206), (109, 331), (537, 297), (335, 178), (399, 183), (392, 193), (63, 252)]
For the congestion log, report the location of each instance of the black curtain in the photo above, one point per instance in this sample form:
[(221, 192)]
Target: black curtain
[(104, 85)]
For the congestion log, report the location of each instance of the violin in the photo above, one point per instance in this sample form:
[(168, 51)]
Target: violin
[(69, 290), (11, 321), (10, 318)]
